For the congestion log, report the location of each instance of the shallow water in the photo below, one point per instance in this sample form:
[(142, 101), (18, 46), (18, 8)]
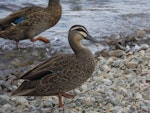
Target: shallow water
[(101, 17)]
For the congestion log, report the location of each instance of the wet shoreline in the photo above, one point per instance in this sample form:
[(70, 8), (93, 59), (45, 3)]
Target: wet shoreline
[(123, 27)]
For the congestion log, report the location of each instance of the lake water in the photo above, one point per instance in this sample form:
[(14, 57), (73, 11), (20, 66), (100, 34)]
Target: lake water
[(101, 17)]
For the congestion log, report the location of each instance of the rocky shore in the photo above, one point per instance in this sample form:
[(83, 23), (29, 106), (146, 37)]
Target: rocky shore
[(119, 84)]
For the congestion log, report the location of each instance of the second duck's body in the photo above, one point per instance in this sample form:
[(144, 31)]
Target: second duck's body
[(61, 73), (29, 22)]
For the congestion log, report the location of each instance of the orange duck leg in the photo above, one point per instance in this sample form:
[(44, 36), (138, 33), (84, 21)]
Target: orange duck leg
[(40, 38), (64, 95)]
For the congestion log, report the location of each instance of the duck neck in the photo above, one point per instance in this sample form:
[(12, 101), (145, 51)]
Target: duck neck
[(78, 47), (53, 2)]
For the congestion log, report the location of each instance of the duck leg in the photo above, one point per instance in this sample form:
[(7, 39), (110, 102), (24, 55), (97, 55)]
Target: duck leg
[(17, 44), (64, 95), (40, 38)]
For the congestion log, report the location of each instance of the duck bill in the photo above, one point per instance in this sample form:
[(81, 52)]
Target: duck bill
[(89, 37)]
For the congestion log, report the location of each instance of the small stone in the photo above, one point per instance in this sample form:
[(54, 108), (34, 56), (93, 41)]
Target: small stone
[(106, 81), (89, 101), (2, 110), (6, 106), (20, 101), (141, 33), (148, 78), (96, 78), (123, 91), (39, 110), (142, 53), (71, 105), (110, 60), (115, 101), (76, 91), (125, 110), (115, 109), (55, 111), (31, 98), (66, 109), (117, 53), (111, 75), (3, 100), (144, 47), (78, 109), (146, 95), (138, 96), (16, 62), (131, 65), (94, 112), (72, 112), (83, 87), (103, 75), (47, 104), (78, 102), (116, 63)]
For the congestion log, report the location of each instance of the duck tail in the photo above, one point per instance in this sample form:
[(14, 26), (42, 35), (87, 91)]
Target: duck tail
[(23, 90)]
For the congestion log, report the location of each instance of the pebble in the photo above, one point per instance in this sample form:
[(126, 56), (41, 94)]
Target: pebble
[(142, 52), (144, 47), (117, 86), (138, 96), (106, 81), (3, 100), (117, 53), (89, 101), (76, 91), (103, 74), (131, 65), (46, 104), (20, 101), (141, 33), (6, 106), (83, 87), (96, 78), (123, 91), (55, 111)]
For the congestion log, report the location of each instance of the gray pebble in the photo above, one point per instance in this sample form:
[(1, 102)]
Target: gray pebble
[(117, 53)]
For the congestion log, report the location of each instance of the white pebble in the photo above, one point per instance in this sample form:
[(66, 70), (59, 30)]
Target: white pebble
[(95, 78), (83, 87), (89, 101), (107, 81), (138, 96), (76, 91), (7, 106)]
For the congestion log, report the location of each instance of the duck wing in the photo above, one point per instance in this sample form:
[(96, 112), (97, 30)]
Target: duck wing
[(51, 67), (17, 17)]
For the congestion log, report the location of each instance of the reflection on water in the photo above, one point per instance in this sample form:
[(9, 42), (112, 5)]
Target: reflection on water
[(101, 17)]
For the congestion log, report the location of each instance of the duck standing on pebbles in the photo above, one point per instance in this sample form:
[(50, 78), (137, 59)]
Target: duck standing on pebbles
[(61, 73), (29, 22)]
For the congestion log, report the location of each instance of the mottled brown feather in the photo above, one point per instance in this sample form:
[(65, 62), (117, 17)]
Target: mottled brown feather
[(60, 73), (37, 20)]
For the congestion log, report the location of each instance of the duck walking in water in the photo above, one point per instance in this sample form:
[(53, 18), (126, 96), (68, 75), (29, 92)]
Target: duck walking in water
[(61, 73), (30, 21)]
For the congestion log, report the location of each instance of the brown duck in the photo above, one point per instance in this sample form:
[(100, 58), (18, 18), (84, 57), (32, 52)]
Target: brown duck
[(61, 73), (29, 22)]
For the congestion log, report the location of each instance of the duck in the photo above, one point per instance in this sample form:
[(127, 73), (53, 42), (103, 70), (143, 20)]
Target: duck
[(28, 22), (63, 72)]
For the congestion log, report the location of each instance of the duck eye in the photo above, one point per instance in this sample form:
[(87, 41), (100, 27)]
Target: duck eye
[(80, 29)]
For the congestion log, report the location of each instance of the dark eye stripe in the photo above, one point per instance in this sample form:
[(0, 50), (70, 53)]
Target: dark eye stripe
[(80, 29)]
